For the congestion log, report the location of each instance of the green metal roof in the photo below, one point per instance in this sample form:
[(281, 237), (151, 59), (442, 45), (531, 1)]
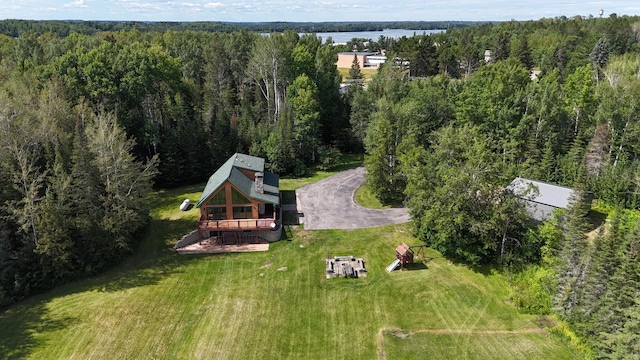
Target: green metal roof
[(229, 171)]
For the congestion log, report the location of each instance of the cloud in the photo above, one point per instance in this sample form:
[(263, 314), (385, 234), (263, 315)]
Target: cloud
[(213, 5), (76, 4), (133, 5)]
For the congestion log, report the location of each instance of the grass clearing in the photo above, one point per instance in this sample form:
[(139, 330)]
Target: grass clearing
[(471, 345), (272, 305), (366, 73), (365, 198), (289, 184)]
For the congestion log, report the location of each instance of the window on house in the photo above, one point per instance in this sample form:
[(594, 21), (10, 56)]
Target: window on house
[(242, 212), (217, 213), (220, 198), (238, 198)]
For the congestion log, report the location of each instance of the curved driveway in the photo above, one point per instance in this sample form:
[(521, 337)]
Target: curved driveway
[(329, 204)]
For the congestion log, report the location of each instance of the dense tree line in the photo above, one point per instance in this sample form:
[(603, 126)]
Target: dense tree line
[(63, 28), (445, 130), (88, 123)]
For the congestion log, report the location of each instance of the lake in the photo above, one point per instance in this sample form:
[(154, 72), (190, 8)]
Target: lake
[(343, 37)]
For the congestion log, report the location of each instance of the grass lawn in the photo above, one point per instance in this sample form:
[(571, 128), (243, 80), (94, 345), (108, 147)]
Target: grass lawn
[(364, 197), (469, 345), (367, 73), (275, 304)]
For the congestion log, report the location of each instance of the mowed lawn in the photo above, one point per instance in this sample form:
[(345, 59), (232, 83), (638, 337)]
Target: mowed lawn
[(274, 305)]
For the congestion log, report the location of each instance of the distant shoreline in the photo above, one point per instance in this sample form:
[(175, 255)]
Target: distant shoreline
[(63, 28)]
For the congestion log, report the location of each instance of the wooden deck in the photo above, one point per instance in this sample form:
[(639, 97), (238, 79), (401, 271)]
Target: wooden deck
[(209, 246), (226, 225)]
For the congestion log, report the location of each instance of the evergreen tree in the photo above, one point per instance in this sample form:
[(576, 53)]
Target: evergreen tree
[(91, 243), (55, 226), (602, 267), (571, 274), (599, 56), (501, 46), (547, 169), (354, 71), (618, 321), (522, 52)]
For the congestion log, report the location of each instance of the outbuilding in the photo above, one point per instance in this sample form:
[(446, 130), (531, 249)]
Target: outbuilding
[(541, 198)]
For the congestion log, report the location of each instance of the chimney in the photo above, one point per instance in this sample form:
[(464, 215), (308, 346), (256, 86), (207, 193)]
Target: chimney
[(259, 182)]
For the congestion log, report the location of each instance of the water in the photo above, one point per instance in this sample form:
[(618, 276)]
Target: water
[(343, 37)]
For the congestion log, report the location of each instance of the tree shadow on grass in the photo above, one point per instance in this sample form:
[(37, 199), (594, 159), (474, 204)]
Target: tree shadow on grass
[(154, 259), (596, 219), (416, 266), (21, 324)]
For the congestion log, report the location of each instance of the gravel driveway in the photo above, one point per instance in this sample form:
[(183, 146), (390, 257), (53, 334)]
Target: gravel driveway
[(329, 204)]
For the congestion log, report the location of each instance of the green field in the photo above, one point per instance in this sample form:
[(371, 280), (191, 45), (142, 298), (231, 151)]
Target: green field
[(366, 73), (275, 305)]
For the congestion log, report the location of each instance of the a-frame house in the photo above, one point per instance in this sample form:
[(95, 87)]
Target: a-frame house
[(240, 203)]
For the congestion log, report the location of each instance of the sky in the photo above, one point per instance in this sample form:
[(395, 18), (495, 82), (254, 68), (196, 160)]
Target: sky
[(309, 10)]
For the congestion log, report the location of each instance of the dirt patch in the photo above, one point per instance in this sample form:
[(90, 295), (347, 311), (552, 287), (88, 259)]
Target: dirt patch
[(284, 268), (210, 247), (399, 334), (545, 322)]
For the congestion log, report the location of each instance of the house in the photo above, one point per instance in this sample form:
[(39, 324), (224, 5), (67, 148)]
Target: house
[(487, 56), (240, 203), (541, 198), (365, 59)]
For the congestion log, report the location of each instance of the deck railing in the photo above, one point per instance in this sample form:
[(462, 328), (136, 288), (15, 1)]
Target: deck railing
[(237, 224)]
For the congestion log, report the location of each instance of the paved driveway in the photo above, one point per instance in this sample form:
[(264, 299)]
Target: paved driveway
[(329, 204)]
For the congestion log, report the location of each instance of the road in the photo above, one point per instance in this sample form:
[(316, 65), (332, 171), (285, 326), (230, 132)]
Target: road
[(329, 204)]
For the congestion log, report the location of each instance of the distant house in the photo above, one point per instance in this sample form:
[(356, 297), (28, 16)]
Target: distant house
[(534, 74), (240, 203), (541, 198), (365, 59), (487, 56)]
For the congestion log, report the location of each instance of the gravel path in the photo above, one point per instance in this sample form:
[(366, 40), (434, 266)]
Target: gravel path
[(329, 204)]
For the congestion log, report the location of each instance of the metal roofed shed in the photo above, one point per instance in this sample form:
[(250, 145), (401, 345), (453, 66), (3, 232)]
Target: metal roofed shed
[(541, 198)]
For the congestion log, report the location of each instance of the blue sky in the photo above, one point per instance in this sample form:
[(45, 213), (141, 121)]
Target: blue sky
[(309, 10)]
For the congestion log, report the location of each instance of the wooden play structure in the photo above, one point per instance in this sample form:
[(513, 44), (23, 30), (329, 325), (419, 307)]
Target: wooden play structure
[(405, 255)]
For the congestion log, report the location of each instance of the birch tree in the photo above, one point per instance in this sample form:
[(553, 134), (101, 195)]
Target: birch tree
[(127, 182)]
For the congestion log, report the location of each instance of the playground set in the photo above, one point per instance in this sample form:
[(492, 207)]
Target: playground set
[(405, 255)]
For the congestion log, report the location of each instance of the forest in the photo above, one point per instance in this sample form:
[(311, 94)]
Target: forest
[(90, 123), (14, 28)]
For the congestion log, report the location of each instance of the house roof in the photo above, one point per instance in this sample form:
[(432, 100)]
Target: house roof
[(358, 53), (230, 171), (547, 194)]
